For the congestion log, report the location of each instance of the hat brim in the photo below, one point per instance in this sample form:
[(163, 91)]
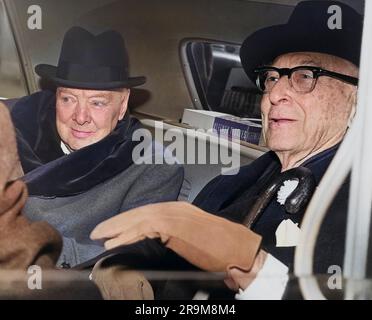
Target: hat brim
[(265, 45), (49, 72)]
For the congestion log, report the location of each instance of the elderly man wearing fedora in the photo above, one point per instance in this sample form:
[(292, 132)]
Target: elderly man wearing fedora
[(76, 144), (307, 72)]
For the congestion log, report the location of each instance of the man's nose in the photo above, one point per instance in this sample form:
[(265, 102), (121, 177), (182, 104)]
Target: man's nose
[(81, 114), (280, 91)]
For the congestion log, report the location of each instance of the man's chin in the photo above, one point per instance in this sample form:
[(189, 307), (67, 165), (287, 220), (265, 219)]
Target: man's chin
[(76, 145), (280, 146)]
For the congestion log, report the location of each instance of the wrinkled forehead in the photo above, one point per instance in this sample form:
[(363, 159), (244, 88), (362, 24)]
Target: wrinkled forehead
[(322, 60), (294, 59), (91, 93)]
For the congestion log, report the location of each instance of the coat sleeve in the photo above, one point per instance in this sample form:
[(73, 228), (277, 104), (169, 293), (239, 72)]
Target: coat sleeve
[(157, 183)]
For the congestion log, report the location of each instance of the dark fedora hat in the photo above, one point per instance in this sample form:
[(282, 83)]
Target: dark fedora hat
[(87, 61), (307, 30)]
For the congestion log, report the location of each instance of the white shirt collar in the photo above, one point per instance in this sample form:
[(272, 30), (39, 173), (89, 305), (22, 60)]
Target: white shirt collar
[(65, 149)]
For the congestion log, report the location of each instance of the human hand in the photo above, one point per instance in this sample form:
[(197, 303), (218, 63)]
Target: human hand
[(205, 240)]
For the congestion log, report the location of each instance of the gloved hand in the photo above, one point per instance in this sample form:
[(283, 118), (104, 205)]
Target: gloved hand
[(205, 240)]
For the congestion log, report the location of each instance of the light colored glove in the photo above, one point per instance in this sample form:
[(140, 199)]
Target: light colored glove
[(205, 240), (118, 282)]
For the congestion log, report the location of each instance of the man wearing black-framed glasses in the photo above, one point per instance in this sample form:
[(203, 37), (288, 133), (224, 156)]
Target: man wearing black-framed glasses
[(308, 75), (308, 101)]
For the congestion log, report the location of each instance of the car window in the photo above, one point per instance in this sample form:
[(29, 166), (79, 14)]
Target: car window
[(217, 80), (12, 83)]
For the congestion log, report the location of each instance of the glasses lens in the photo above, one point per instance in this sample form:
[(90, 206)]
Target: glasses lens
[(303, 80), (266, 79)]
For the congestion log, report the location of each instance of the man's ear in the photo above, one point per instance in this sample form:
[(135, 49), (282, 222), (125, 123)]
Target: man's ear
[(124, 103)]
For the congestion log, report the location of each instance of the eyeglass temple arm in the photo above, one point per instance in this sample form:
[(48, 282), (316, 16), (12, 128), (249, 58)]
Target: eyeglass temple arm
[(339, 76)]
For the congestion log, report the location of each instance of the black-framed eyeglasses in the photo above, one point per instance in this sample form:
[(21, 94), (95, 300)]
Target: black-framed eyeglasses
[(302, 78)]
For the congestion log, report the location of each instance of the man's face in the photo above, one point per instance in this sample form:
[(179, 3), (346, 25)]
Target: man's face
[(299, 124), (87, 116)]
